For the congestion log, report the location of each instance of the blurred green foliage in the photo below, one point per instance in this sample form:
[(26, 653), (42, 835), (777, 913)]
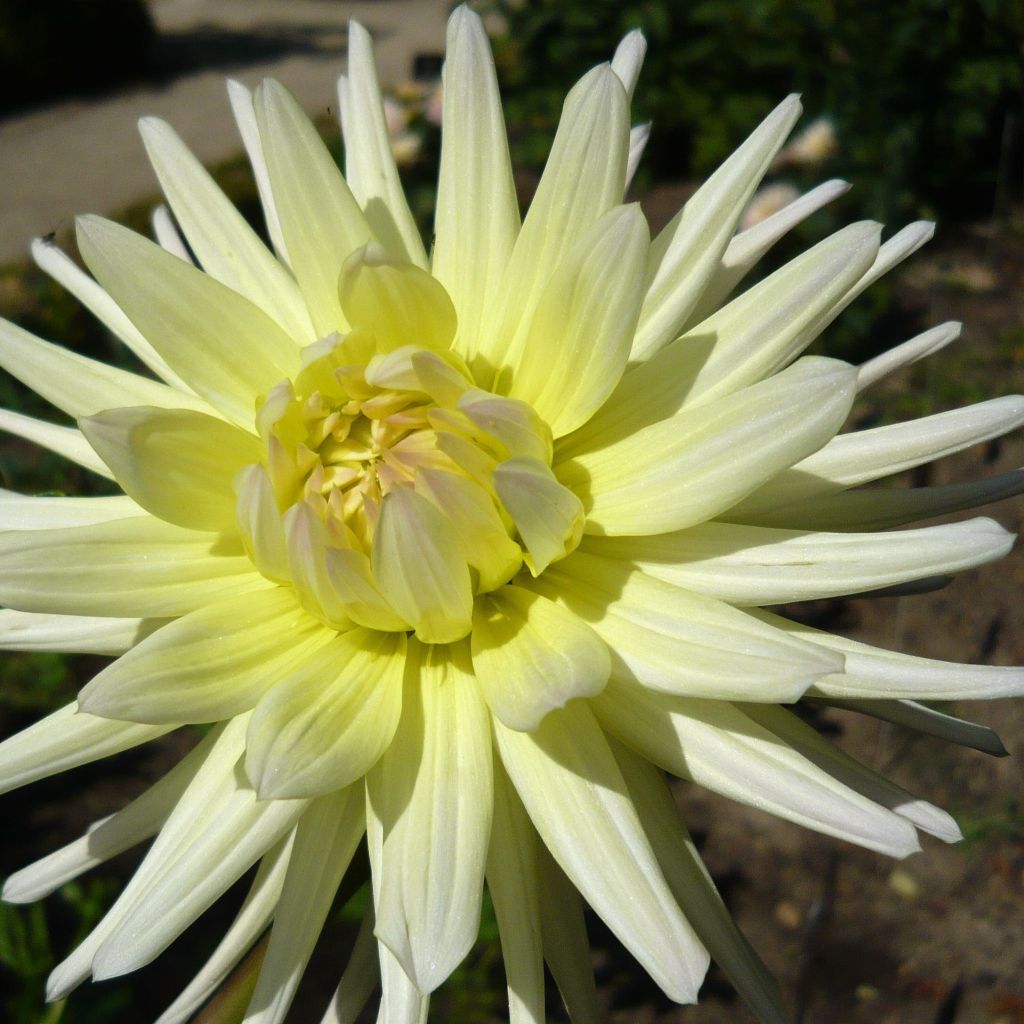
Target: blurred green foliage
[(63, 47), (919, 92)]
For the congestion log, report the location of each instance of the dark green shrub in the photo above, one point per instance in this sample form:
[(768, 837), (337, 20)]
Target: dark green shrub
[(920, 91)]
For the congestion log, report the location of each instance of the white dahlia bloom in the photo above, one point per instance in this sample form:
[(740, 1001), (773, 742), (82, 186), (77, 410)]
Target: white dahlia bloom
[(461, 550)]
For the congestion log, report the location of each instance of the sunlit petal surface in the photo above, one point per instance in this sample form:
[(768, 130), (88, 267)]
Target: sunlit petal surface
[(458, 553)]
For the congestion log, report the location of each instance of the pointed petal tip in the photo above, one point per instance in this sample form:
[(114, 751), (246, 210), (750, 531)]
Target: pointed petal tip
[(461, 19), (113, 962), (149, 124), (931, 819), (13, 891), (59, 985), (237, 91)]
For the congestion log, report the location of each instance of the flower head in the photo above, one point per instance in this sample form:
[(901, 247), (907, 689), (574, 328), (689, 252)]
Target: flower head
[(458, 551)]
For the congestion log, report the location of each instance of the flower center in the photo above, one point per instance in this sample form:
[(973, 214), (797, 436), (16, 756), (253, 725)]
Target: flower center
[(394, 490)]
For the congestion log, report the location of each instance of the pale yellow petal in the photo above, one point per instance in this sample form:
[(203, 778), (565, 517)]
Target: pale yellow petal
[(321, 222), (326, 724), (369, 164), (224, 244), (548, 516), (700, 462), (429, 802), (259, 523), (477, 217), (577, 342), (485, 542), (583, 179), (565, 772), (129, 567), (419, 566), (185, 672), (226, 347), (398, 303), (177, 464), (531, 656)]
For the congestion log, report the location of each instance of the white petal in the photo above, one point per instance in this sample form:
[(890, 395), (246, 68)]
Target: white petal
[(687, 252), (893, 252), (67, 273), (249, 924), (700, 462), (747, 247), (429, 804), (369, 164), (71, 634), (66, 441), (919, 347), (629, 59), (245, 117), (717, 746), (27, 512), (566, 945), (909, 714), (693, 888), (80, 386), (565, 772), (217, 856), (65, 740), (675, 641), (204, 799), (109, 836), (638, 138), (477, 216), (751, 338), (166, 233), (514, 885), (808, 742), (753, 565), (400, 1001), (358, 980), (879, 508), (325, 839), (865, 455), (754, 336)]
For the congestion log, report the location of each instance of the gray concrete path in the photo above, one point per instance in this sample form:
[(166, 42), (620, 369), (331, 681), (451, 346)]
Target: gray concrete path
[(86, 156)]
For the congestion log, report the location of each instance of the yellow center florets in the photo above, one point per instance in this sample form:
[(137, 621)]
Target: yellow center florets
[(394, 490)]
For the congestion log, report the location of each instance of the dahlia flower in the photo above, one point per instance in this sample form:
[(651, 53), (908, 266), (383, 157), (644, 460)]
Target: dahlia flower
[(460, 551)]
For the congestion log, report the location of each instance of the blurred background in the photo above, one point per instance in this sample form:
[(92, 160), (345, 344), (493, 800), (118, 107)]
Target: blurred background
[(920, 105)]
